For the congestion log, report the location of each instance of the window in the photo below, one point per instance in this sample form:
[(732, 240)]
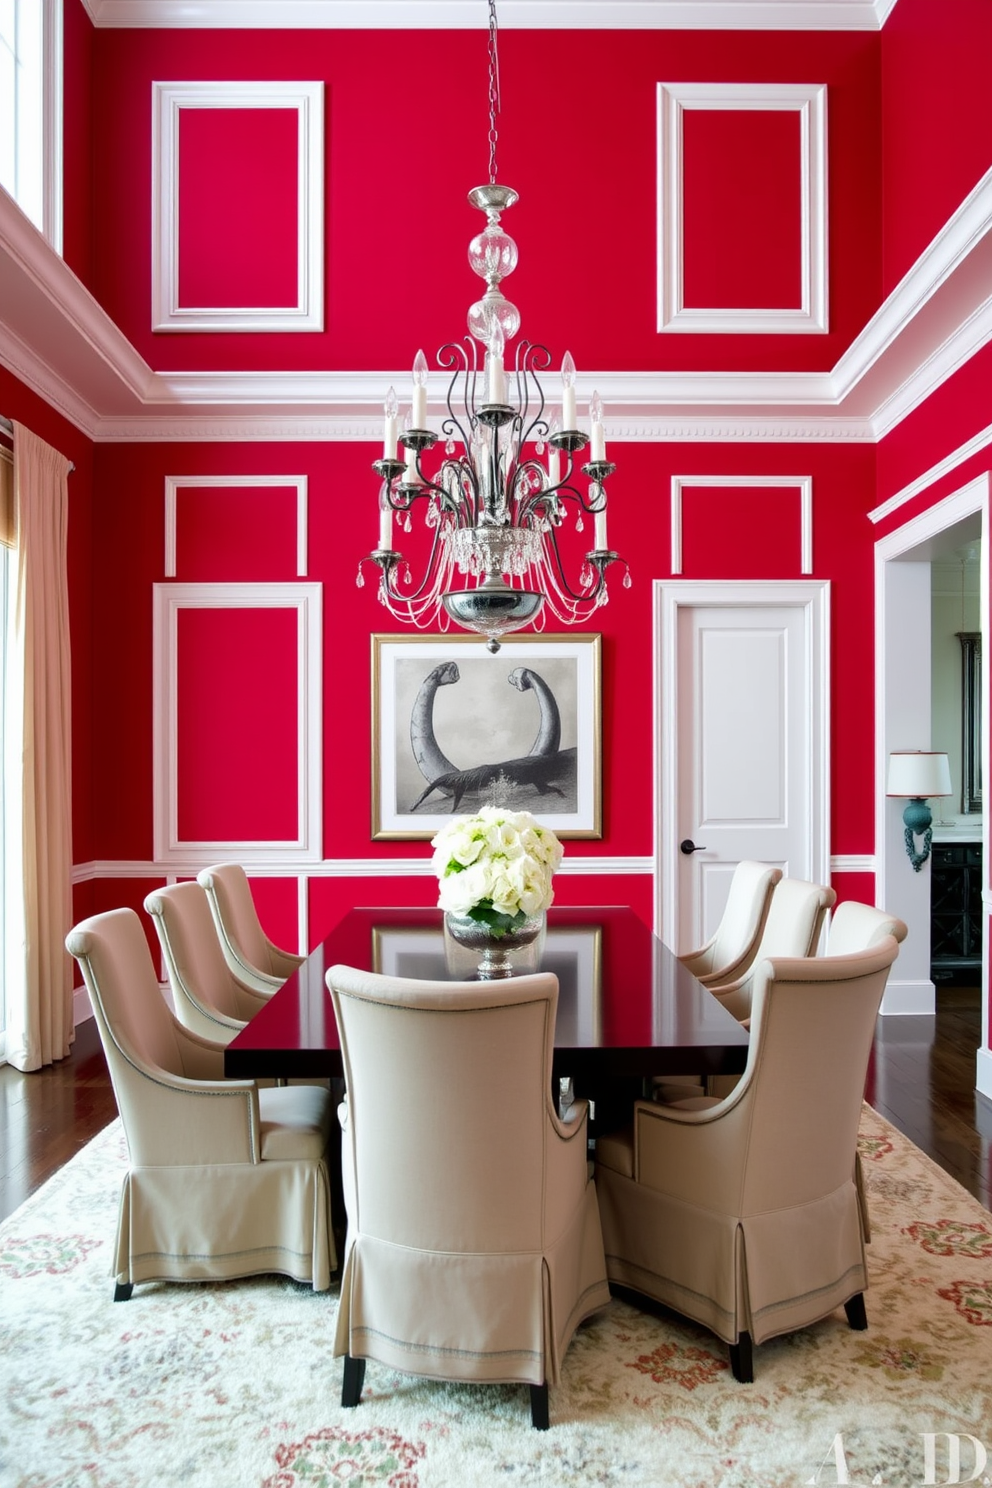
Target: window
[(31, 110)]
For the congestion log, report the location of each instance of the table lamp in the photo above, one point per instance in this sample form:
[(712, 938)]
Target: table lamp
[(918, 774)]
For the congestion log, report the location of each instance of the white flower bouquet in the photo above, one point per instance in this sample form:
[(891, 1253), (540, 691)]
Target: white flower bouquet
[(495, 867)]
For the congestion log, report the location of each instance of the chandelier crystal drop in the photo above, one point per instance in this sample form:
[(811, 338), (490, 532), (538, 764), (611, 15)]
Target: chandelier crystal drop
[(509, 479)]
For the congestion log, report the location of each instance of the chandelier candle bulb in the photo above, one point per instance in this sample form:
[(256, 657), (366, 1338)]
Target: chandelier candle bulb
[(568, 416), (598, 450), (389, 428), (497, 379), (418, 413), (386, 526)]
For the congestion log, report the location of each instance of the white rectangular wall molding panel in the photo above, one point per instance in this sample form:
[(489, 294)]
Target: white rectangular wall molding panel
[(305, 310), (803, 485), (291, 696), (810, 103), (175, 483)]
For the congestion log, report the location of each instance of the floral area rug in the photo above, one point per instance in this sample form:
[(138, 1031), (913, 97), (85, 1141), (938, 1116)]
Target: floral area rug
[(234, 1386)]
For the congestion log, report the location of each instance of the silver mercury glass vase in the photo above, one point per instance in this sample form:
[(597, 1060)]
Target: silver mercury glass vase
[(495, 951)]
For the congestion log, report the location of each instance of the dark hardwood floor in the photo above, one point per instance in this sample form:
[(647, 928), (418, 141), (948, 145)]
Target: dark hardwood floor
[(921, 1078)]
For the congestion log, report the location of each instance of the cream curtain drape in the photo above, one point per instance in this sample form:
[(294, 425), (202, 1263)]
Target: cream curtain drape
[(38, 842)]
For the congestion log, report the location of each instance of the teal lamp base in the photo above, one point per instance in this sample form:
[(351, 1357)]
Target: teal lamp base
[(917, 821)]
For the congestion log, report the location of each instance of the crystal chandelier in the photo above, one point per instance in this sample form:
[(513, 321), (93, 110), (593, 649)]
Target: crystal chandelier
[(508, 480)]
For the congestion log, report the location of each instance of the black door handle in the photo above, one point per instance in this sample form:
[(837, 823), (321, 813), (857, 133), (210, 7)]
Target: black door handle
[(688, 847)]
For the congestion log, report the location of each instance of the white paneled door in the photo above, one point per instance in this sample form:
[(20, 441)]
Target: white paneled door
[(741, 742)]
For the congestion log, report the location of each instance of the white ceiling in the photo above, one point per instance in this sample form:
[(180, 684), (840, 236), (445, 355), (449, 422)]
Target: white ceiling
[(567, 15)]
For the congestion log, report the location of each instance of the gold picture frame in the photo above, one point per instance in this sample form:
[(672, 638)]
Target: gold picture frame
[(455, 727)]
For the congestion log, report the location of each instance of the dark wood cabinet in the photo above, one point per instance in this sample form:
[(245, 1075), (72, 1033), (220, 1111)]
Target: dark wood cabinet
[(955, 911)]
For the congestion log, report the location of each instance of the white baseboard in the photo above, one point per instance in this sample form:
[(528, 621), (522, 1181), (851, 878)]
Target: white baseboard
[(983, 1072), (913, 998)]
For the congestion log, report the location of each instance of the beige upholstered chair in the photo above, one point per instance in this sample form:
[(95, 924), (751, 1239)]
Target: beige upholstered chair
[(225, 1179), (795, 920), (209, 999), (792, 928), (730, 950), (474, 1248), (249, 953), (857, 927), (743, 1213)]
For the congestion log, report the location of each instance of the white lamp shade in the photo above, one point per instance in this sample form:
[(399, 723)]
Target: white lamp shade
[(918, 773)]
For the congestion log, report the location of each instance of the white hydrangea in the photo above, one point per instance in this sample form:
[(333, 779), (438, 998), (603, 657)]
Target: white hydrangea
[(501, 860)]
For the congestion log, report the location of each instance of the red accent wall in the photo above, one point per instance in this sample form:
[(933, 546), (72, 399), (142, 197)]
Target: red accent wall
[(937, 125), (742, 205), (398, 169), (953, 415), (128, 554)]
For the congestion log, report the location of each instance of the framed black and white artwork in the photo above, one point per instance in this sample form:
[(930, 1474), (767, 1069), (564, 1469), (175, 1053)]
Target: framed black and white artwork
[(455, 728)]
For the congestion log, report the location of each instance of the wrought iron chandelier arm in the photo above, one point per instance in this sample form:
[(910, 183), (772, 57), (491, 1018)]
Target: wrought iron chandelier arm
[(390, 570), (598, 562)]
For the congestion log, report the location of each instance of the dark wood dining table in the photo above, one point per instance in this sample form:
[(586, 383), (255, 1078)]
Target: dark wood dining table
[(627, 1007)]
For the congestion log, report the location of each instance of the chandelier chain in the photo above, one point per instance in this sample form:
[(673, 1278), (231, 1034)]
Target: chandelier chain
[(494, 99)]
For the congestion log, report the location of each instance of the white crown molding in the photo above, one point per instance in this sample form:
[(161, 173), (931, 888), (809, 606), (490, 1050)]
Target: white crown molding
[(801, 483), (58, 340), (168, 102), (696, 15), (944, 257), (288, 867), (175, 483), (810, 102), (168, 600)]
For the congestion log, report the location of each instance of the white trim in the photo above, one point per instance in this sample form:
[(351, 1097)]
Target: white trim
[(168, 101), (907, 999), (573, 864), (168, 599), (302, 916), (950, 462), (891, 664), (81, 1007), (810, 102), (174, 483), (668, 598), (52, 121), (852, 863), (983, 1072), (802, 483), (697, 15)]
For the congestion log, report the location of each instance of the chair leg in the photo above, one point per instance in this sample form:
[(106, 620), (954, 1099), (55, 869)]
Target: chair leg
[(742, 1360), (857, 1317), (123, 1290), (539, 1417), (354, 1379)]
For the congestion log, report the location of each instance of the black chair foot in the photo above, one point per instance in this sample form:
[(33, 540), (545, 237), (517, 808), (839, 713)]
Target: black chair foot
[(539, 1417), (856, 1316), (742, 1360), (123, 1290), (353, 1381)]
